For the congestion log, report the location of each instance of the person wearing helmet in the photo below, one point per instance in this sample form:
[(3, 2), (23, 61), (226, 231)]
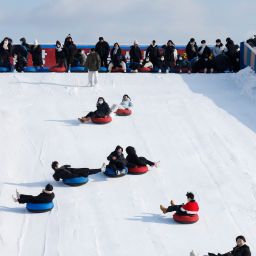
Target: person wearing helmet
[(46, 196)]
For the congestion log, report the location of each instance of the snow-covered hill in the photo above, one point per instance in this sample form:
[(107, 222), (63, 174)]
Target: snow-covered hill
[(201, 127)]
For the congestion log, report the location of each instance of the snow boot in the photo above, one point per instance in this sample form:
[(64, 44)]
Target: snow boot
[(163, 209)]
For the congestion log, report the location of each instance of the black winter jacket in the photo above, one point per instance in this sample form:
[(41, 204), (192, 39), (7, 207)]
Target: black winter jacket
[(169, 53), (102, 48), (39, 199), (102, 110), (116, 58), (205, 54), (135, 54), (65, 172), (134, 160), (119, 158), (239, 251), (153, 53), (191, 52), (36, 52)]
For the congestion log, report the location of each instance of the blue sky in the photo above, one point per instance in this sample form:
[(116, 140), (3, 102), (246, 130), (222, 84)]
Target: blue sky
[(125, 21)]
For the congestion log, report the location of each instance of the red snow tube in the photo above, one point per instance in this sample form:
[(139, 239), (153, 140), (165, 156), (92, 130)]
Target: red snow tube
[(117, 69), (101, 120), (186, 219), (123, 112), (57, 69), (145, 69), (138, 170)]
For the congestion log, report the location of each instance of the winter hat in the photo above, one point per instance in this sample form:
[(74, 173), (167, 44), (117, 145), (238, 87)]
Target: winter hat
[(154, 41), (203, 42), (54, 165), (48, 188), (190, 195), (36, 42), (136, 42), (101, 38), (241, 237)]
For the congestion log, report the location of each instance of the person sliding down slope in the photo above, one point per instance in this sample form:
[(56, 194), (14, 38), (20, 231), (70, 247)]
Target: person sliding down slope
[(66, 172), (102, 111), (241, 249), (134, 160), (126, 103), (190, 208), (46, 196), (117, 162)]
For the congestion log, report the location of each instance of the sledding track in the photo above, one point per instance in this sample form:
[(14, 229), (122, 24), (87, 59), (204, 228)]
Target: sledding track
[(200, 127)]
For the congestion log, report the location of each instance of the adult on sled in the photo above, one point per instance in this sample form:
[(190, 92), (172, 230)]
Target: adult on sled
[(117, 161), (102, 111), (241, 249), (67, 172), (46, 196), (133, 160), (189, 209)]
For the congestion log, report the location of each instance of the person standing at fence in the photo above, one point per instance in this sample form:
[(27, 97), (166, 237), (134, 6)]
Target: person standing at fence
[(102, 48), (36, 52), (93, 63)]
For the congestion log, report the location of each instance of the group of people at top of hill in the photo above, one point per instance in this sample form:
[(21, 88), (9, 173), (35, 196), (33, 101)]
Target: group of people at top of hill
[(163, 58)]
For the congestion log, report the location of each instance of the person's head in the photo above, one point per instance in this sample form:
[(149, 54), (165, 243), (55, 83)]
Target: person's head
[(240, 241), (48, 189), (228, 39), (119, 150), (58, 43), (23, 40), (203, 42), (101, 39), (126, 97), (135, 43), (36, 42), (192, 41), (100, 100), (170, 42), (116, 45), (190, 196), (55, 165), (147, 59), (93, 50), (162, 58), (218, 42), (130, 150), (154, 42), (6, 41)]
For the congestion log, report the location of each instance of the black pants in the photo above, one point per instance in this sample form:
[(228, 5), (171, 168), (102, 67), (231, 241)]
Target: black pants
[(94, 114), (104, 61), (32, 199), (176, 208), (85, 172), (116, 166)]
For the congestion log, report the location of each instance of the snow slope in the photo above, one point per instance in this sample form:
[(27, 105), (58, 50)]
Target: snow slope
[(201, 127)]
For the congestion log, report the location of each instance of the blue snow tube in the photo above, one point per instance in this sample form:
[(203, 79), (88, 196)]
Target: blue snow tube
[(32, 69), (37, 208), (75, 182), (78, 69), (4, 69), (112, 173), (103, 69)]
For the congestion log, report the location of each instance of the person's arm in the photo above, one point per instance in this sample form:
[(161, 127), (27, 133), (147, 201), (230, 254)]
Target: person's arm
[(56, 176)]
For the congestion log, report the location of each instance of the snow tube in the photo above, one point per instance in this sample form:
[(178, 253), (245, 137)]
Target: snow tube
[(111, 173), (36, 69), (102, 120), (75, 182), (78, 69), (4, 69), (103, 69), (117, 69), (145, 70), (37, 208), (123, 112), (186, 219), (138, 170), (57, 69)]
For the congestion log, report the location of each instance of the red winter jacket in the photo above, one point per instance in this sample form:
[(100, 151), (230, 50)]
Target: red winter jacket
[(190, 207)]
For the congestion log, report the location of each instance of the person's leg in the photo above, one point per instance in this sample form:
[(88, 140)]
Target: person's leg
[(145, 161), (25, 199), (90, 74), (123, 66), (95, 77), (173, 208), (110, 67)]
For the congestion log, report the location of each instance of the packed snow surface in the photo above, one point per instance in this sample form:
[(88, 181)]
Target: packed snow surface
[(201, 127)]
